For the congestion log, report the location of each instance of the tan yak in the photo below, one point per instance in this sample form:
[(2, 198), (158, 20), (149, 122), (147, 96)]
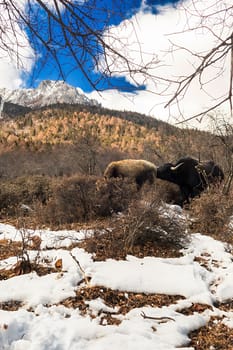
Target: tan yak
[(139, 170)]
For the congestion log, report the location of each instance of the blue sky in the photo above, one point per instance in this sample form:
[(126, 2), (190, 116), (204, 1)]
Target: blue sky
[(74, 75)]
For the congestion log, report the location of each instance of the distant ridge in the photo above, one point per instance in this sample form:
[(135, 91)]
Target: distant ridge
[(49, 92)]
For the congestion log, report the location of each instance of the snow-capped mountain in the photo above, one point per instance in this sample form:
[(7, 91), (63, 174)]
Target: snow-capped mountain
[(47, 93)]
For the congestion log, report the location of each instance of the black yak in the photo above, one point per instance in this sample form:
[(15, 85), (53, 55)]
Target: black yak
[(191, 176), (138, 169)]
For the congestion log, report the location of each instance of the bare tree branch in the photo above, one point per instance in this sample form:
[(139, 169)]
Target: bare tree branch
[(216, 20), (72, 32)]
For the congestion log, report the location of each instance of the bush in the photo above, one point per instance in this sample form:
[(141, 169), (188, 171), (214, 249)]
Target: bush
[(114, 196), (149, 221), (23, 190), (84, 198), (168, 192), (146, 228), (71, 201), (211, 213), (35, 188)]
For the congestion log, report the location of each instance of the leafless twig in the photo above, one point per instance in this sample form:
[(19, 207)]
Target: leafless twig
[(81, 269), (162, 318)]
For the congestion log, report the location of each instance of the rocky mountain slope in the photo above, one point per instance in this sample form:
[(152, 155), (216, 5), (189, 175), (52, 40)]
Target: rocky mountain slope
[(49, 92)]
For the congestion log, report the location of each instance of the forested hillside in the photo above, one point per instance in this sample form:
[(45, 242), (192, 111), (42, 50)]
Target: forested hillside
[(63, 140)]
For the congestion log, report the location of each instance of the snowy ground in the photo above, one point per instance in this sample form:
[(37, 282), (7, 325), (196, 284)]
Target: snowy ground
[(204, 274)]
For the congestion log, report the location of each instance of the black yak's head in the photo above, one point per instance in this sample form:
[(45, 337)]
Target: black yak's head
[(182, 172), (166, 172)]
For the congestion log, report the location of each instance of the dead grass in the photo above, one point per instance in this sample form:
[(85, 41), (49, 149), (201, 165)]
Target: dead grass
[(111, 245), (9, 248), (211, 214), (215, 335), (122, 301)]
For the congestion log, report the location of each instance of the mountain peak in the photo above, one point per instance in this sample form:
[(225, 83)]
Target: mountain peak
[(47, 93), (46, 83)]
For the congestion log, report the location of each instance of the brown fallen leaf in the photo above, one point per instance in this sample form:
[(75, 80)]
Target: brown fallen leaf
[(35, 242), (58, 264)]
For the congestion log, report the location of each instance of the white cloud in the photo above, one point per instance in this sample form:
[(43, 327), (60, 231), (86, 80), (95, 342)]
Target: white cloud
[(152, 31), (18, 59)]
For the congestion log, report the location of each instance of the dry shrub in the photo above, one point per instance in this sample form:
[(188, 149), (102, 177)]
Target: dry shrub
[(211, 213), (149, 221), (84, 198), (147, 227), (72, 200), (64, 200), (10, 197), (168, 192), (107, 243), (23, 190), (35, 188), (114, 196)]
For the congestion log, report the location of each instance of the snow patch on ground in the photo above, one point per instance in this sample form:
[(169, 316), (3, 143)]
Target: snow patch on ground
[(51, 326)]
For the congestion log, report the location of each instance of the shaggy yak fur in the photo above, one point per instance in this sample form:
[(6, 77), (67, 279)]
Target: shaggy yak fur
[(191, 176), (138, 169)]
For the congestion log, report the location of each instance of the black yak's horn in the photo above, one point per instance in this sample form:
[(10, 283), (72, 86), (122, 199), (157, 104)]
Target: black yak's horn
[(177, 166)]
